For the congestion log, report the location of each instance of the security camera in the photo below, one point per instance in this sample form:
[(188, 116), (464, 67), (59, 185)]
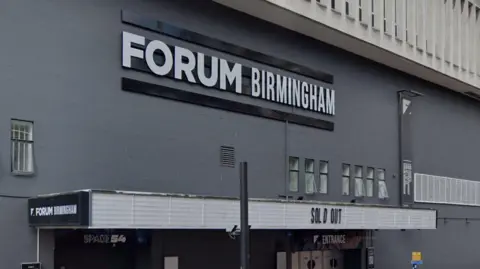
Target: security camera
[(233, 232)]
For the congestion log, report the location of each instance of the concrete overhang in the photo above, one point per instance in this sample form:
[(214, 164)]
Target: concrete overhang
[(288, 19)]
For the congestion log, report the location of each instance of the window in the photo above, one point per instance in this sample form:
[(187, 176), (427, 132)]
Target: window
[(310, 186), (389, 16), (419, 24), (382, 184), (464, 26), (410, 21), (369, 182), (395, 18), (446, 34), (477, 21), (333, 4), (471, 42), (373, 13), (407, 24), (359, 186), (439, 26), (360, 17), (22, 146), (293, 177), (347, 8), (363, 12), (346, 179), (398, 21), (323, 177), (429, 24), (385, 18)]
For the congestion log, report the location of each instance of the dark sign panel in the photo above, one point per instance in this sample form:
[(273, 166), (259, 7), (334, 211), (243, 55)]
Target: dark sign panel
[(338, 239), (144, 22), (160, 58), (31, 265), (60, 210), (73, 238)]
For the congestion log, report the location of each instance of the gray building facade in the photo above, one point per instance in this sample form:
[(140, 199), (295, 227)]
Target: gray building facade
[(62, 70)]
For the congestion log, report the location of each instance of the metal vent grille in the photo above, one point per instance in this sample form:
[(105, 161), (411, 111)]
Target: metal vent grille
[(227, 156)]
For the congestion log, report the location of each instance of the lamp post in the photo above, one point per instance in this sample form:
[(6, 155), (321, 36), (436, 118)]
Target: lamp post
[(244, 227)]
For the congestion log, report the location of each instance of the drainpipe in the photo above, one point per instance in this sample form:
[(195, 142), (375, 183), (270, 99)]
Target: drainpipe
[(286, 161), (38, 245)]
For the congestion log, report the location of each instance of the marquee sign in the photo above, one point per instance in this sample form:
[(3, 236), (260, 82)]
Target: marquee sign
[(193, 212), (326, 215), (137, 210)]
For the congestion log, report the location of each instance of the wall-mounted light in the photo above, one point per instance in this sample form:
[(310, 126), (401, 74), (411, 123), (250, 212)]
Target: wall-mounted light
[(411, 93), (467, 220)]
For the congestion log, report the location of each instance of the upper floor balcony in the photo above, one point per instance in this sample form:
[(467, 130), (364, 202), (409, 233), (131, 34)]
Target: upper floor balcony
[(436, 40)]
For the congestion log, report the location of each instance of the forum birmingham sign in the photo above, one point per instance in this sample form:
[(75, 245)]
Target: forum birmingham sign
[(214, 72)]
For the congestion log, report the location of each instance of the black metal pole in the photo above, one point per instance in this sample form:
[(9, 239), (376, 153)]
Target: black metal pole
[(244, 228)]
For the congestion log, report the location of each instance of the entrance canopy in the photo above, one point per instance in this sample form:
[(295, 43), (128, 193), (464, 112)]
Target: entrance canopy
[(136, 210)]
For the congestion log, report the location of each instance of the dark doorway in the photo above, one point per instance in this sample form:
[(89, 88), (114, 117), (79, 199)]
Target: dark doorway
[(352, 259)]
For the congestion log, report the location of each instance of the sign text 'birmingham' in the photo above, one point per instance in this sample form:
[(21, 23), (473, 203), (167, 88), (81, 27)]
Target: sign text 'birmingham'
[(214, 72), (53, 210)]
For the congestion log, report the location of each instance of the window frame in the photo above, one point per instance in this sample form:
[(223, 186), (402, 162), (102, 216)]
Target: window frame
[(361, 19), (363, 12), (361, 178), (370, 180), (372, 15), (348, 177), (385, 31), (290, 170), (31, 142), (379, 181), (398, 19), (320, 174), (310, 173), (395, 19)]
